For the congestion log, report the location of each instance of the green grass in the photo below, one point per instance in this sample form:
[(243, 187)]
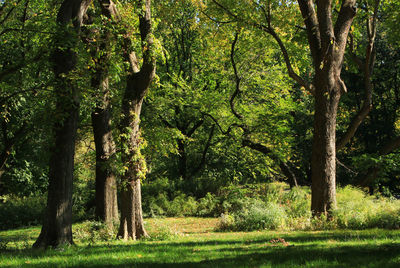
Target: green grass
[(195, 244)]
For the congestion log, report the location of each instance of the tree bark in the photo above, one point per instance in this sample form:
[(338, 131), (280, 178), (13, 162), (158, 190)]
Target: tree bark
[(131, 222), (138, 83), (106, 185), (327, 41), (323, 158), (57, 226)]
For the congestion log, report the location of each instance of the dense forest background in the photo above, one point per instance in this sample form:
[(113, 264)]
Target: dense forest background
[(231, 106)]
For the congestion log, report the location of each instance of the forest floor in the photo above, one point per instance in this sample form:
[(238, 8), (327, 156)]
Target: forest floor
[(192, 242)]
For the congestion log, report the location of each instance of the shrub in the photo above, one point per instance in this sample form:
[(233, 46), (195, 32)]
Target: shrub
[(356, 210), (94, 231), (156, 206), (275, 191), (21, 211), (297, 202), (182, 205), (160, 232), (255, 215), (208, 206)]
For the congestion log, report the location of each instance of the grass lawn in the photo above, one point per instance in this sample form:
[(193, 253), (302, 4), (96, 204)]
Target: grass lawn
[(196, 245)]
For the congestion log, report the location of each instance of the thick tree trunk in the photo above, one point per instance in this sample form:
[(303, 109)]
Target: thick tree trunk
[(323, 159), (327, 42), (57, 226), (138, 83), (131, 222), (106, 185)]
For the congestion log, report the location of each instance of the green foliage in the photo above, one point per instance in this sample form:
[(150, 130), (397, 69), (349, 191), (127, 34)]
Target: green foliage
[(180, 205), (92, 232), (207, 206), (20, 211), (290, 209), (356, 210), (161, 231), (255, 215), (83, 196)]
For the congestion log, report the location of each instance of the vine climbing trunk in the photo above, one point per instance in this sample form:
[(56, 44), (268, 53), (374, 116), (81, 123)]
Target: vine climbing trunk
[(139, 79), (106, 185), (131, 223), (57, 226)]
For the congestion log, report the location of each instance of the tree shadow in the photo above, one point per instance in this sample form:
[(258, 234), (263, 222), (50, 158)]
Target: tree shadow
[(227, 253)]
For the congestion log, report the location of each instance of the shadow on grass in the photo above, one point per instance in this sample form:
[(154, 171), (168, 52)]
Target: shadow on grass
[(227, 253), (297, 256)]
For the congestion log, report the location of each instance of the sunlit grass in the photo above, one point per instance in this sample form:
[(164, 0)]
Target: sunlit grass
[(195, 244)]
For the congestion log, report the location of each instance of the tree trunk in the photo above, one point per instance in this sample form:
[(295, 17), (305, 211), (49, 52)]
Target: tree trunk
[(138, 83), (57, 226), (327, 42), (182, 159), (323, 159), (106, 185), (131, 222)]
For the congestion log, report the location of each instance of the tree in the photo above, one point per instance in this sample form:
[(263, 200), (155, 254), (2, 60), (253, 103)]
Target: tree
[(327, 41), (20, 77), (106, 185), (138, 81), (186, 91), (57, 226)]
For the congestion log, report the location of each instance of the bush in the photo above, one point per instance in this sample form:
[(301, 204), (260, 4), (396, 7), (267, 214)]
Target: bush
[(255, 215), (356, 210), (161, 231), (208, 206), (21, 211), (297, 202), (182, 205), (94, 231)]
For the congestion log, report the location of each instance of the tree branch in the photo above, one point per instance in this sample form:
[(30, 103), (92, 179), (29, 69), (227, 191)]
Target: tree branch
[(367, 68), (313, 33), (270, 30), (286, 170), (195, 127), (204, 154), (9, 13), (237, 79), (342, 26), (373, 172)]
